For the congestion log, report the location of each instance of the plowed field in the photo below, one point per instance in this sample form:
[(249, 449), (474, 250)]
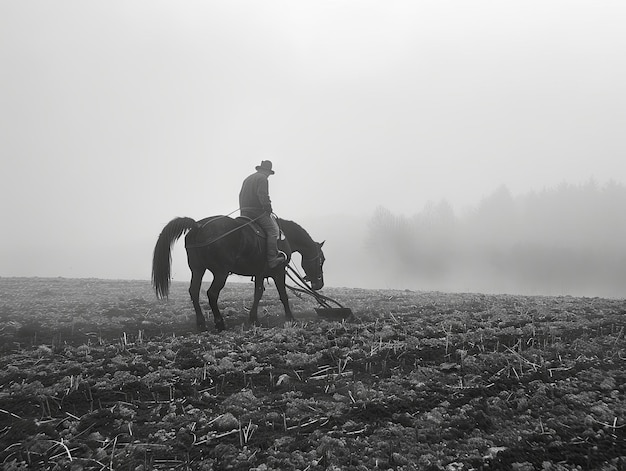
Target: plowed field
[(101, 375)]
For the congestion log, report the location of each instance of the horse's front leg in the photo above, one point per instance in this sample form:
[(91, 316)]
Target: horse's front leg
[(213, 293), (279, 279), (258, 293)]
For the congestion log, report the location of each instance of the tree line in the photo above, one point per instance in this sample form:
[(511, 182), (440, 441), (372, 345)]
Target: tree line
[(565, 240)]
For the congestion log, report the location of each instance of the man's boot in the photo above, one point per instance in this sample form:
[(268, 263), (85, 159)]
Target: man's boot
[(274, 256)]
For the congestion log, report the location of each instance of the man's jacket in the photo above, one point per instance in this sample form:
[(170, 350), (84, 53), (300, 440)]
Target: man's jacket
[(254, 198)]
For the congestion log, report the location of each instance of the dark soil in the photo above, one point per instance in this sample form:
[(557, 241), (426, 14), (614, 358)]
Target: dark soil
[(99, 374)]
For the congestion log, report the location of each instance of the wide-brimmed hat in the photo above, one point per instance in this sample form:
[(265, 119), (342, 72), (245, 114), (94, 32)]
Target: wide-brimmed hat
[(266, 166)]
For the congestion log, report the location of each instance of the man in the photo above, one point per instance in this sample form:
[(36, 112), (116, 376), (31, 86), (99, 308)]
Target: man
[(255, 203)]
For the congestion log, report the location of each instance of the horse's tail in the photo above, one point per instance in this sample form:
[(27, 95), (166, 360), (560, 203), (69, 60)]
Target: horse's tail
[(162, 259)]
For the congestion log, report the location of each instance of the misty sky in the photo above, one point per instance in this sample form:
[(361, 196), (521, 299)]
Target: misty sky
[(117, 116)]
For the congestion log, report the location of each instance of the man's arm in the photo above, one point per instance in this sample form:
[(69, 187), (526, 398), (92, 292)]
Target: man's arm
[(264, 195)]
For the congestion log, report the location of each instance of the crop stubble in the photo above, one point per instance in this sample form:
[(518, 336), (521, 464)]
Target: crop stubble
[(99, 374)]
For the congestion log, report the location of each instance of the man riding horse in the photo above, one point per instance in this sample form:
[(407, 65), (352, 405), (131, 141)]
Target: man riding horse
[(226, 246), (255, 203)]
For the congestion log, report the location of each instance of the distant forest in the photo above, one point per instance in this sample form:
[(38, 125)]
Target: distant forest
[(566, 240)]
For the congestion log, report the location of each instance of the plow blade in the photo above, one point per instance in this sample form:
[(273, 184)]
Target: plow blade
[(326, 310)]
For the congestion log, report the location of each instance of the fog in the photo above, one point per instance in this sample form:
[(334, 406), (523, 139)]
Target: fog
[(473, 146), (567, 240)]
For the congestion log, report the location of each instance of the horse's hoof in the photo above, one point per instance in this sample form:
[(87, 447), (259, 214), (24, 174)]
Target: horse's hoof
[(220, 326)]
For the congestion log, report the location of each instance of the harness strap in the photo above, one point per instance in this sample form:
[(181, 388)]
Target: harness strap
[(209, 242), (219, 217), (302, 287)]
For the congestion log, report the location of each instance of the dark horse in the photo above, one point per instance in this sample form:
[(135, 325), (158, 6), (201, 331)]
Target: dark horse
[(224, 245)]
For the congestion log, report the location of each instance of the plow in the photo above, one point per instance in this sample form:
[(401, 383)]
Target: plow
[(328, 307)]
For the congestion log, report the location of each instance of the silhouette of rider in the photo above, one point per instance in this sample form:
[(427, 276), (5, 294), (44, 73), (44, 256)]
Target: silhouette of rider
[(255, 203)]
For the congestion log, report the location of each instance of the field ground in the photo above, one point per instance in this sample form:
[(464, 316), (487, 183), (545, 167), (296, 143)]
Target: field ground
[(101, 375)]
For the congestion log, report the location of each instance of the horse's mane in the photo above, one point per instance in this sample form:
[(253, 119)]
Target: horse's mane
[(285, 223)]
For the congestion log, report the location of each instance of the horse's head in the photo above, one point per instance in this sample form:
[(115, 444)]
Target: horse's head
[(313, 267)]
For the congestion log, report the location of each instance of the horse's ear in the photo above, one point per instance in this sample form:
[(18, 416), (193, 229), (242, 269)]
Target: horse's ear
[(322, 244)]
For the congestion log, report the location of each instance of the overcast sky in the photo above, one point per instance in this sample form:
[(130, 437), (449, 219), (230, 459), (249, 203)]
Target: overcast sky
[(116, 116)]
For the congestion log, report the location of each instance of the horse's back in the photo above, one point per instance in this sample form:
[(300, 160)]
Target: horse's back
[(216, 222), (226, 243), (211, 230)]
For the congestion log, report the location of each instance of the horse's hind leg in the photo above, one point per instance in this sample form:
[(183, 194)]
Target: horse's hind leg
[(213, 293), (194, 292)]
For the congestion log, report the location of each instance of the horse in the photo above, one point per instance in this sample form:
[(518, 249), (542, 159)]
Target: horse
[(225, 245)]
